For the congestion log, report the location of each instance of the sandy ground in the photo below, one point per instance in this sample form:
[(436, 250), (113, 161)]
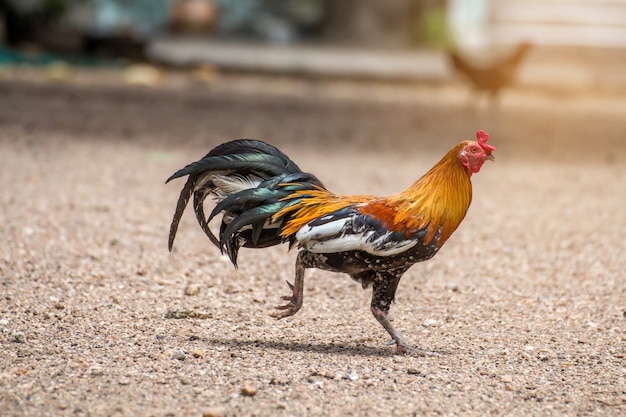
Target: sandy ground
[(526, 302)]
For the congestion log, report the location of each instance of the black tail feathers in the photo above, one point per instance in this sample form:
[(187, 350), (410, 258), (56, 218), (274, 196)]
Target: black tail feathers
[(250, 179)]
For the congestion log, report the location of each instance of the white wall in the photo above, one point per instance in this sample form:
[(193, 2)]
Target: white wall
[(595, 23)]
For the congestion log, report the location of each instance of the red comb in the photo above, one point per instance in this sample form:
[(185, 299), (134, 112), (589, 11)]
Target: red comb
[(482, 137)]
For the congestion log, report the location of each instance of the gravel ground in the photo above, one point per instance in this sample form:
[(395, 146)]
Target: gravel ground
[(526, 302)]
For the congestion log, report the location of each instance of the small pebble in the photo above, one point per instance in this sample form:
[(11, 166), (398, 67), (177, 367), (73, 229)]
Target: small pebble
[(506, 379), (197, 353), (352, 375), (178, 313), (19, 337), (179, 354), (217, 411), (248, 390), (183, 313), (497, 352), (429, 322), (192, 289)]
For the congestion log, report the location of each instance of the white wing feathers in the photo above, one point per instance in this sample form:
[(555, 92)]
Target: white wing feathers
[(347, 230)]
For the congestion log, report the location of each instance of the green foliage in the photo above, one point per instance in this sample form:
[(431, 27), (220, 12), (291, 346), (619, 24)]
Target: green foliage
[(432, 28)]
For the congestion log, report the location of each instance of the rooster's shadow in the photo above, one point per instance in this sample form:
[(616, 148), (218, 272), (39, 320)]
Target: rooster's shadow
[(293, 346)]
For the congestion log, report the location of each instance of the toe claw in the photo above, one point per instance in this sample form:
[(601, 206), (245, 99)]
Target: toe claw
[(287, 310), (391, 342), (409, 350), (294, 302)]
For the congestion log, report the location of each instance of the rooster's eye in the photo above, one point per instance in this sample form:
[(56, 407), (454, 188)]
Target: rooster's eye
[(474, 150)]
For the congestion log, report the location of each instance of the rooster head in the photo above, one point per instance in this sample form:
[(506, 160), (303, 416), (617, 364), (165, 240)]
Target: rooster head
[(474, 154)]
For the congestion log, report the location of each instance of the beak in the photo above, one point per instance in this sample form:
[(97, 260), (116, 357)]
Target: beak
[(490, 158)]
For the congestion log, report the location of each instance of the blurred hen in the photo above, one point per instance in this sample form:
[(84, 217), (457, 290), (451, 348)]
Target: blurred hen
[(492, 77)]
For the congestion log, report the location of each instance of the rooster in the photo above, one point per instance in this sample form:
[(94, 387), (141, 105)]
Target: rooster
[(264, 199), (493, 77)]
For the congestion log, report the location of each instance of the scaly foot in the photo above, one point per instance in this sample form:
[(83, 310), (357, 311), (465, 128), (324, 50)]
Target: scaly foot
[(292, 307), (404, 349)]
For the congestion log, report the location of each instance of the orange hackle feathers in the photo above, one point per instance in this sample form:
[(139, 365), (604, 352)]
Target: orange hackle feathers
[(437, 201)]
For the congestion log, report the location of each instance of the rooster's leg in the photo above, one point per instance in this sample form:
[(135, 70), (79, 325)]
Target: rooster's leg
[(383, 293), (295, 299)]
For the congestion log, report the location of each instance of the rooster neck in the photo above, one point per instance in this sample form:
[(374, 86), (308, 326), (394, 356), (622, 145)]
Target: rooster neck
[(438, 201)]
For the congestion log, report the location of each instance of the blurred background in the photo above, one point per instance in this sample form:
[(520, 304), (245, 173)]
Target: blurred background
[(577, 43), (76, 25)]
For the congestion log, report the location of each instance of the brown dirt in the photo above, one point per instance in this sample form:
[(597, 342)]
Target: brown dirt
[(526, 303)]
